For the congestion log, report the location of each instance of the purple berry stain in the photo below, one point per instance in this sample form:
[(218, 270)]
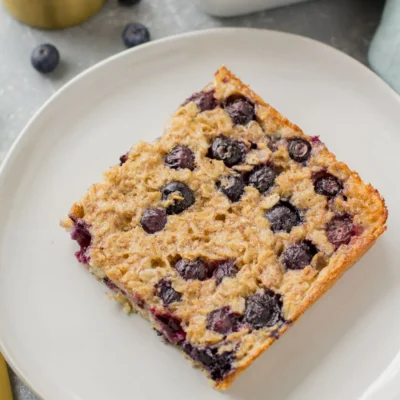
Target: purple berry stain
[(81, 234), (171, 327), (223, 321), (217, 364)]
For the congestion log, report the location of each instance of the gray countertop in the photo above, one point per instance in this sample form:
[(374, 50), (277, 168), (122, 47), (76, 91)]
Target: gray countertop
[(345, 24)]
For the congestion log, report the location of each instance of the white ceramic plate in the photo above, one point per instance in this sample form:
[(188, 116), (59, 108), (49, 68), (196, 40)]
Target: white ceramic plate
[(69, 342)]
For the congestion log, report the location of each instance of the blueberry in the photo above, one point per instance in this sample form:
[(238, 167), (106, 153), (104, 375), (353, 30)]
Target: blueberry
[(340, 230), (109, 283), (81, 234), (230, 151), (45, 58), (262, 178), (283, 217), (273, 142), (205, 101), (327, 184), (167, 293), (231, 186), (223, 321), (128, 2), (223, 269), (299, 255), (217, 364), (171, 327), (240, 109), (299, 149), (195, 269), (123, 159), (135, 34), (154, 220), (180, 157), (263, 310), (184, 197)]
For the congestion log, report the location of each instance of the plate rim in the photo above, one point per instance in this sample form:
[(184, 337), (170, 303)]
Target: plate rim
[(26, 131)]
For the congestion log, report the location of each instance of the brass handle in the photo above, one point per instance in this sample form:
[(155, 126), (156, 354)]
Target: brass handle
[(53, 14), (5, 389)]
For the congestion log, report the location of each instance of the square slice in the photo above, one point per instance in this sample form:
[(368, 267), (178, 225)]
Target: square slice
[(226, 229)]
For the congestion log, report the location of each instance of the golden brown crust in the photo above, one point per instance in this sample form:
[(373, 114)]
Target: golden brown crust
[(214, 228)]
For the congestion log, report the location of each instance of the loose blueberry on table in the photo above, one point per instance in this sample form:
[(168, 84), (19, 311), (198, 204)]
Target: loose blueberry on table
[(135, 34), (129, 2), (45, 58)]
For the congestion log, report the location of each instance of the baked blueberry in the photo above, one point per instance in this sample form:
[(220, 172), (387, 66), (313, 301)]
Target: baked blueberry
[(45, 58), (232, 186), (166, 292), (240, 109), (340, 230), (109, 283), (135, 34), (205, 101), (223, 269), (299, 255), (81, 234), (154, 220), (327, 184), (299, 149), (171, 327), (123, 159), (216, 363), (263, 310), (192, 269), (283, 217), (180, 157), (181, 196), (223, 321), (230, 151), (262, 177), (273, 142)]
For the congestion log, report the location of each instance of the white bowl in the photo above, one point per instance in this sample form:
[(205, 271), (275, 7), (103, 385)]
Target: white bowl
[(230, 8)]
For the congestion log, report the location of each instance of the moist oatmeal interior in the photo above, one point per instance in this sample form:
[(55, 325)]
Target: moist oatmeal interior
[(227, 228)]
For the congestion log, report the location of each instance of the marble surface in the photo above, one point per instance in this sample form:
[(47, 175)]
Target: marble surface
[(345, 24)]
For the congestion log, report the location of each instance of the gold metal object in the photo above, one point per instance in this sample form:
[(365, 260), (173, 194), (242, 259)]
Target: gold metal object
[(5, 389), (53, 14)]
